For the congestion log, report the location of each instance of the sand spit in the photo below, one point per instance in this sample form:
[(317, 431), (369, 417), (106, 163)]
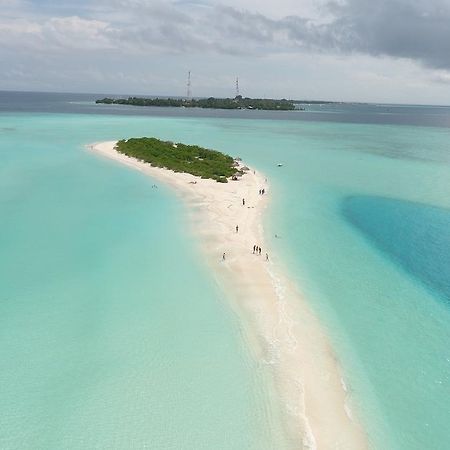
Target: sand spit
[(282, 331)]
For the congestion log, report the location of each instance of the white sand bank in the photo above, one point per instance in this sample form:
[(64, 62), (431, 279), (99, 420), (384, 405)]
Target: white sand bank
[(284, 334)]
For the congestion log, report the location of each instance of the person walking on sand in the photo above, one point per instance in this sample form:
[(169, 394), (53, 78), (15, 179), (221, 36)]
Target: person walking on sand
[(237, 228), (243, 202), (259, 250), (267, 257), (254, 249), (223, 256)]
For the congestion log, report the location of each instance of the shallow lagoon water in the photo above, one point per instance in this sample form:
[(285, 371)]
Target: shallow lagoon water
[(89, 302), (113, 334)]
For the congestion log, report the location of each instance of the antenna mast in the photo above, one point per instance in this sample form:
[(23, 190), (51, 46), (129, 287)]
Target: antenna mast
[(237, 86), (189, 93)]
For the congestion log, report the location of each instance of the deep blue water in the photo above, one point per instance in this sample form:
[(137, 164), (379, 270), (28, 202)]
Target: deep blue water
[(415, 235)]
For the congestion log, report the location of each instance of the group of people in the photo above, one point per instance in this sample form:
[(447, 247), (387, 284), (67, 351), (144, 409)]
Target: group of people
[(257, 251), (256, 248)]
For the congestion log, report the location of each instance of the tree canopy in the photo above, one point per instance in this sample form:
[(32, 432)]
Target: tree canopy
[(198, 161)]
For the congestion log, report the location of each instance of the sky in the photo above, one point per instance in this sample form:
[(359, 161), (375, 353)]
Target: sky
[(390, 51)]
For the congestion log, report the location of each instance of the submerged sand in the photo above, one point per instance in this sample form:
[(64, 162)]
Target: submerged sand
[(283, 332)]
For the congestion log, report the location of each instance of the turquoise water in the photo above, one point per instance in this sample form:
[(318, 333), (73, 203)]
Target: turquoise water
[(113, 332), (370, 281), (397, 227)]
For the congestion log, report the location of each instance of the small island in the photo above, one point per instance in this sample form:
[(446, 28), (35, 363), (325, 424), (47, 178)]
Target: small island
[(198, 161), (226, 220), (238, 102)]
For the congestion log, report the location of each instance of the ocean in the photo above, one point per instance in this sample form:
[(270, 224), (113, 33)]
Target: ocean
[(115, 335)]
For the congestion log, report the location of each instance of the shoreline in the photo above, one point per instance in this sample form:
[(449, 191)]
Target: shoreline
[(283, 333)]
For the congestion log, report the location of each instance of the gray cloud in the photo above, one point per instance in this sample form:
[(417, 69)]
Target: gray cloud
[(413, 29)]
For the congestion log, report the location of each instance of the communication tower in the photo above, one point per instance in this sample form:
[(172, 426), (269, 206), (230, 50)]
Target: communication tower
[(237, 86), (188, 85)]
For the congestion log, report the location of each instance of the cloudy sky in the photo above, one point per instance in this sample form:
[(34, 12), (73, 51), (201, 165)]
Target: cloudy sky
[(351, 50)]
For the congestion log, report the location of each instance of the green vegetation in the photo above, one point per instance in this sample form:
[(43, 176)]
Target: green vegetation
[(192, 159), (238, 102)]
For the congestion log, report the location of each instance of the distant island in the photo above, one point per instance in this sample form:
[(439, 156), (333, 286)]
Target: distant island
[(198, 161), (238, 102)]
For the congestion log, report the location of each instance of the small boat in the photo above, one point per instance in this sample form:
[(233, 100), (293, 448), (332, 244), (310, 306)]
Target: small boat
[(279, 165)]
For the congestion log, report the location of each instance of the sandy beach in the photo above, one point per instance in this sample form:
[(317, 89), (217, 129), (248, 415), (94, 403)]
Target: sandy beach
[(283, 333)]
